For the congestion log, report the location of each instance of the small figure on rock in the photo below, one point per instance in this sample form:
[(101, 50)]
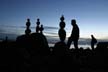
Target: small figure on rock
[(93, 42)]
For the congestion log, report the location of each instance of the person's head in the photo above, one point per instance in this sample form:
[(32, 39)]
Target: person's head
[(28, 20), (73, 22), (92, 36)]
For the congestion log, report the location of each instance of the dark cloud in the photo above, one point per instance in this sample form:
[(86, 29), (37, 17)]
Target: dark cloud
[(45, 27), (49, 27), (51, 33)]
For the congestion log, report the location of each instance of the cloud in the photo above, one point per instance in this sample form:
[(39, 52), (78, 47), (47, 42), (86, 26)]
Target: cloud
[(13, 31), (49, 27), (10, 36), (45, 27), (9, 31), (1, 30), (51, 34), (48, 30)]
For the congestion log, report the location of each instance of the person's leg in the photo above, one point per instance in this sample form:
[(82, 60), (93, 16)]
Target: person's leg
[(76, 44), (92, 46), (69, 42)]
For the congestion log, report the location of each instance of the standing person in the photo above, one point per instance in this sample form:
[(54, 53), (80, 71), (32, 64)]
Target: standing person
[(74, 35), (93, 42)]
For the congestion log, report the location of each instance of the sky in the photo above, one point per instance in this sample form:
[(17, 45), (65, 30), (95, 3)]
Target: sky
[(91, 16)]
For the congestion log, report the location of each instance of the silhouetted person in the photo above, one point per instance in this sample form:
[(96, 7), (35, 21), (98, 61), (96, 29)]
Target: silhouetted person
[(41, 29), (37, 27), (74, 35), (28, 31), (93, 42)]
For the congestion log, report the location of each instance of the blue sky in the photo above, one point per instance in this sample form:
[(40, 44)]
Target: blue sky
[(91, 16)]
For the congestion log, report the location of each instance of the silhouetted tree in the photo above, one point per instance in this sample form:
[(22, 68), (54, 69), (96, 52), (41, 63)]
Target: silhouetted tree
[(93, 42), (74, 35)]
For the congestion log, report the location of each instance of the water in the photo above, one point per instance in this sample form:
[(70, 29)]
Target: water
[(72, 46)]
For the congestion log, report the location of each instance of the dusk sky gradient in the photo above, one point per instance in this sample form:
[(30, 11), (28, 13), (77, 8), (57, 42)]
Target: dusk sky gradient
[(91, 16)]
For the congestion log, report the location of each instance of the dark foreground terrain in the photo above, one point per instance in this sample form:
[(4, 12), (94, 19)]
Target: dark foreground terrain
[(15, 58)]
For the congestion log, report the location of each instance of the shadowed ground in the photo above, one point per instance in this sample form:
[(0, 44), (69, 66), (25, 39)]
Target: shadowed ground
[(15, 58)]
